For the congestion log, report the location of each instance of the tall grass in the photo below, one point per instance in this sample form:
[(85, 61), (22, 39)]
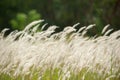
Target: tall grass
[(67, 55)]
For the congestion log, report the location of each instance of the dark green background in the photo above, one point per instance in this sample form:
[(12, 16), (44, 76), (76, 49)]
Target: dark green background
[(64, 12)]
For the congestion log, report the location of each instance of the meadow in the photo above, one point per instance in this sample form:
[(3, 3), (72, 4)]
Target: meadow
[(67, 55)]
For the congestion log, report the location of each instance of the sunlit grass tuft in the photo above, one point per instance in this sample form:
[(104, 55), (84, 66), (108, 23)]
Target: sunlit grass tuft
[(67, 55)]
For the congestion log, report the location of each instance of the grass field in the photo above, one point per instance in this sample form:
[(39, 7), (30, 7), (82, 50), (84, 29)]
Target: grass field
[(67, 55)]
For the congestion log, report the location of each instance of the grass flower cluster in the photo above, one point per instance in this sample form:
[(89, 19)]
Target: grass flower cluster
[(67, 55)]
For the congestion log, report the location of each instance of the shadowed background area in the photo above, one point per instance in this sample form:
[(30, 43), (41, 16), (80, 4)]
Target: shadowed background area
[(16, 14)]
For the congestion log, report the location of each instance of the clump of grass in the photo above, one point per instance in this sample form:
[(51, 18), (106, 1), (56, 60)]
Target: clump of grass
[(67, 55)]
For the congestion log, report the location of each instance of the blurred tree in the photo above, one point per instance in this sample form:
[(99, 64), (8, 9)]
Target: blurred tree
[(9, 8), (23, 19), (64, 12)]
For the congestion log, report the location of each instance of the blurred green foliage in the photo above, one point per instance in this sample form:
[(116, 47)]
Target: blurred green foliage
[(22, 19), (62, 12)]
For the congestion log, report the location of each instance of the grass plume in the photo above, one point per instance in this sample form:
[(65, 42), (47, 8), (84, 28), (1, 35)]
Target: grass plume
[(67, 55)]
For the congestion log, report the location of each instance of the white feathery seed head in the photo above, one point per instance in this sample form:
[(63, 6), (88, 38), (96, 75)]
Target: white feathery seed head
[(64, 54)]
